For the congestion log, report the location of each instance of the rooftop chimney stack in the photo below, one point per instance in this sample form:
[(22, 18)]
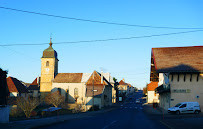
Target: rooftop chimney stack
[(102, 77)]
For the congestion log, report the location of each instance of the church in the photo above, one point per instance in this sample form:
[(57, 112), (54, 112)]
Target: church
[(81, 88)]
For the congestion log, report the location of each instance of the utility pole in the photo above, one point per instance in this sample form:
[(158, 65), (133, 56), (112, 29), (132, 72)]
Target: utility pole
[(93, 93)]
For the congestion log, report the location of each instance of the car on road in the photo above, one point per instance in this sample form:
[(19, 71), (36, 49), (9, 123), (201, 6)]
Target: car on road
[(185, 107)]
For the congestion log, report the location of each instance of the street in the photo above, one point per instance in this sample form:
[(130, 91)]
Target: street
[(127, 115)]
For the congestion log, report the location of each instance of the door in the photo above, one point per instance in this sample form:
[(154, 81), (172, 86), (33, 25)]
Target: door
[(183, 108), (190, 108)]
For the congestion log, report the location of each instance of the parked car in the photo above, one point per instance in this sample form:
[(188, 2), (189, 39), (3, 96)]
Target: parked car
[(185, 107)]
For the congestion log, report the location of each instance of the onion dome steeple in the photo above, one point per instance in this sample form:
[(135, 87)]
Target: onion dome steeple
[(49, 52)]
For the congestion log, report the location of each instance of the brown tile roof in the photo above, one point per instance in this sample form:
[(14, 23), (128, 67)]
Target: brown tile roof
[(152, 86), (178, 59), (68, 78), (98, 86), (14, 85), (97, 79), (35, 82), (122, 83)]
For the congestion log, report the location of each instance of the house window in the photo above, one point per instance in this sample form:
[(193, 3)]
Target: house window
[(178, 77), (76, 92), (47, 63), (59, 90)]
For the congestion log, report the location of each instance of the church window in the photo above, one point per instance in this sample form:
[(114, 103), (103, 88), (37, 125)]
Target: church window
[(76, 92), (47, 63)]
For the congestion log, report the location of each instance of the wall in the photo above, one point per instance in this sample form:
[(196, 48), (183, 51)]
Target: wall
[(89, 102), (164, 100), (152, 97), (13, 94), (193, 89), (4, 114), (70, 87), (113, 95)]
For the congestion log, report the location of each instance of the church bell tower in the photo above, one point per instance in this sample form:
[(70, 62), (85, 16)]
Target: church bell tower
[(49, 69)]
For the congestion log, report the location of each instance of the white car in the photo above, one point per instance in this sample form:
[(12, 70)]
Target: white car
[(185, 107)]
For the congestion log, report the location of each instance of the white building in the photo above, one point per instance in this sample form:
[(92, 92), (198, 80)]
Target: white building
[(180, 74)]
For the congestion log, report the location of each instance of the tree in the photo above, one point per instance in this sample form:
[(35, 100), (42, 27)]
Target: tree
[(27, 105), (54, 98)]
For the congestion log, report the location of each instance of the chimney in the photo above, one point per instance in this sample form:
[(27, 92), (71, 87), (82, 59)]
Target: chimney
[(102, 77)]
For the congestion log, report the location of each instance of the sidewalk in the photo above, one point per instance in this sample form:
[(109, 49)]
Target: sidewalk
[(35, 123)]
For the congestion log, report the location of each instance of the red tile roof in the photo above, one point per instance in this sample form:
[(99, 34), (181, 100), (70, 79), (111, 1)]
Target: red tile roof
[(122, 83), (178, 59), (35, 82), (152, 86), (34, 85), (14, 85)]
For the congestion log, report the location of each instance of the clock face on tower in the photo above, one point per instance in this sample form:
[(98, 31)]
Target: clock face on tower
[(47, 69)]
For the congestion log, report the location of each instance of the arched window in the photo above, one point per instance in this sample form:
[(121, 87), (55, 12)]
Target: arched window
[(47, 63), (59, 90)]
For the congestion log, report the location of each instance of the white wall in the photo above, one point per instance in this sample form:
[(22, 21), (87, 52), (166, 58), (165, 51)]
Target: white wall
[(152, 97), (193, 89), (70, 87), (13, 94)]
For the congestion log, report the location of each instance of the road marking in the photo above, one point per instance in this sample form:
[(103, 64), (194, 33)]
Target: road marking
[(109, 124)]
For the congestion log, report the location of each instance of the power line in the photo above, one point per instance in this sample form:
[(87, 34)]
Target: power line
[(104, 40), (96, 21)]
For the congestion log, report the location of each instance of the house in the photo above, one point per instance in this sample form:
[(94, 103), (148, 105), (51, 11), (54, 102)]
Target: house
[(34, 87), (123, 87), (16, 88), (152, 96), (82, 88), (111, 81), (180, 71)]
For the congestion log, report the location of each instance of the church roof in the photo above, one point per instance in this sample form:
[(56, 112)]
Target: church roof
[(68, 78), (49, 52)]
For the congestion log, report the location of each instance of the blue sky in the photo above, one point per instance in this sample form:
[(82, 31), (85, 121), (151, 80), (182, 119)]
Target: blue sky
[(129, 59)]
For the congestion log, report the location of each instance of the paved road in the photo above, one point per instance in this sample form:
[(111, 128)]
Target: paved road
[(127, 115)]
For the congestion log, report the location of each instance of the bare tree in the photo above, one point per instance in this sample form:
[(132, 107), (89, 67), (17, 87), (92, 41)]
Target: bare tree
[(54, 98), (27, 105)]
